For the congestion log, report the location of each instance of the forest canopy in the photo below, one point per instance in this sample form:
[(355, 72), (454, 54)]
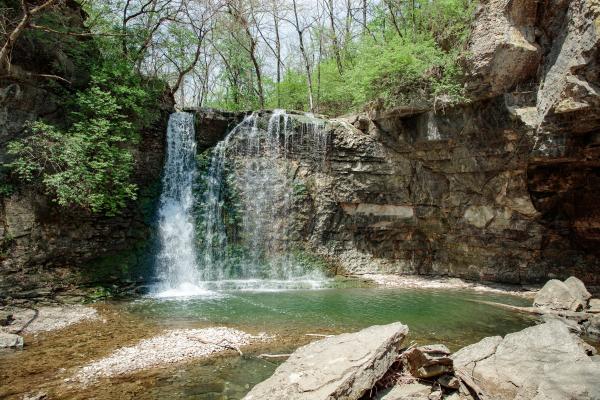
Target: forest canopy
[(327, 56)]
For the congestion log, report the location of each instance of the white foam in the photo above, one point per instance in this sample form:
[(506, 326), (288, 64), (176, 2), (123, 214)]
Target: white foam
[(266, 285), (186, 290)]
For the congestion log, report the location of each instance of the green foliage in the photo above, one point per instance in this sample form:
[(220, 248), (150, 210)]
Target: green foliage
[(293, 91), (415, 64), (230, 196), (309, 261), (99, 293), (237, 76), (6, 187), (90, 163), (401, 71), (5, 244)]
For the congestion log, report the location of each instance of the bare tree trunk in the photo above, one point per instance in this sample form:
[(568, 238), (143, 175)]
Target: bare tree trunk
[(393, 17), (237, 14), (124, 28), (191, 66), (277, 52), (348, 23), (336, 45), (414, 21), (18, 30), (319, 73), (300, 32), (261, 94), (364, 21)]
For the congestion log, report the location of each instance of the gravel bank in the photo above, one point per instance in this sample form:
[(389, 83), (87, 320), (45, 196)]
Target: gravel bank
[(171, 347)]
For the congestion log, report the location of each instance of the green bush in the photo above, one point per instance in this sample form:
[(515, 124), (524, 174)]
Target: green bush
[(90, 163), (418, 64)]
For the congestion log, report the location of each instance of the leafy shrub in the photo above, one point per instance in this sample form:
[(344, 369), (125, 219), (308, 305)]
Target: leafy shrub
[(90, 163)]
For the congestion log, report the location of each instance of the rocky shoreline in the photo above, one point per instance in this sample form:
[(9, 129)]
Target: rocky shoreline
[(546, 361), (429, 282), (16, 321), (373, 363)]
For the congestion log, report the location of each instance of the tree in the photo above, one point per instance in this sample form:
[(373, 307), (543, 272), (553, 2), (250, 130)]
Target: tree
[(14, 28), (300, 30), (334, 38)]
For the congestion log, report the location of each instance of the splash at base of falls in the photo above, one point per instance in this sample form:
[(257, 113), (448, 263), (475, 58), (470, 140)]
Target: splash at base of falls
[(184, 290)]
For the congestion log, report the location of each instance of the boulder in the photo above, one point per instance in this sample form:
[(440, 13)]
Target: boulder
[(10, 340), (556, 295), (339, 367), (449, 381), (428, 361), (458, 396), (592, 327), (502, 47), (546, 361), (436, 395), (6, 318), (578, 289)]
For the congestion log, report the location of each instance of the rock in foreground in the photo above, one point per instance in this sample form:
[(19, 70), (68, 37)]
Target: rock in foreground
[(339, 367), (542, 362), (428, 361)]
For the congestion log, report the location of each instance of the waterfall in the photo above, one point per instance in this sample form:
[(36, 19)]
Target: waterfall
[(255, 163), (237, 232), (177, 265)]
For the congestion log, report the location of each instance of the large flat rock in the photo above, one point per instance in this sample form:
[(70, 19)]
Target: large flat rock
[(542, 362), (338, 367)]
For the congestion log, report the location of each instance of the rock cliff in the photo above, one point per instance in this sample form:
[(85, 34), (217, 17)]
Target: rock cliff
[(501, 188), (45, 248)]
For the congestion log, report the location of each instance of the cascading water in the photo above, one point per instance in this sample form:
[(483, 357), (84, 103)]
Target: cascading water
[(177, 260), (250, 171), (237, 233)]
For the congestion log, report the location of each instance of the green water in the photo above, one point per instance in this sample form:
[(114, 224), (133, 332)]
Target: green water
[(452, 317)]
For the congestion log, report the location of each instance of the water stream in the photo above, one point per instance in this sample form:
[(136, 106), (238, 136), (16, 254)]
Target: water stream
[(177, 259)]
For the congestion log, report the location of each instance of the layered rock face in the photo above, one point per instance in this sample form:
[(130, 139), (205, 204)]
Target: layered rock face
[(503, 188), (431, 194)]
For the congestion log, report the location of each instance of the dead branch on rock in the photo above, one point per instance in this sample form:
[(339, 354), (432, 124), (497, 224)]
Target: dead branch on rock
[(273, 355), (227, 346)]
